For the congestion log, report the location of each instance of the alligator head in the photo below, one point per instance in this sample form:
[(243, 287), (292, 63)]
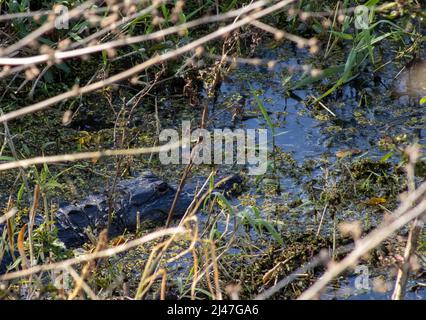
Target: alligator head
[(141, 199)]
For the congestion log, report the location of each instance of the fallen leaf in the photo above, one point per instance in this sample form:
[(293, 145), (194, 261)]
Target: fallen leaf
[(375, 201), (21, 246), (117, 241), (347, 152)]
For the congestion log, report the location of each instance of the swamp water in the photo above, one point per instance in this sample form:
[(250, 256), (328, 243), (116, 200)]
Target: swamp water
[(315, 148), (312, 140)]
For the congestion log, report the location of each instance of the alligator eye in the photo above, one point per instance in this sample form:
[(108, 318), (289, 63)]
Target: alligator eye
[(162, 188)]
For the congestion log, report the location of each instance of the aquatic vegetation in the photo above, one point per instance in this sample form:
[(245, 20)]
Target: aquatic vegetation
[(337, 100)]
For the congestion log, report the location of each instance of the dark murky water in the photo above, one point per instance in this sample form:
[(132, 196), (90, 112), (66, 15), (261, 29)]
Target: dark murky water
[(355, 125), (364, 111)]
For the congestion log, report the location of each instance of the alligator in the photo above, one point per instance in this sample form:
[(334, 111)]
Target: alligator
[(136, 200), (145, 198)]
